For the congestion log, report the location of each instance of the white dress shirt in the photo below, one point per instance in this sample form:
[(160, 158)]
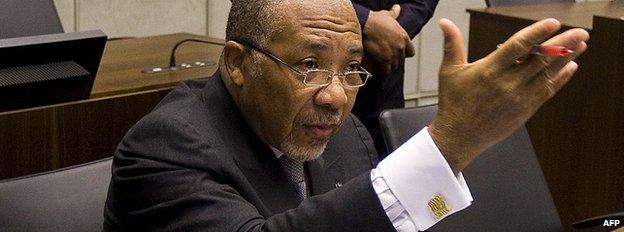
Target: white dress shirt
[(416, 186)]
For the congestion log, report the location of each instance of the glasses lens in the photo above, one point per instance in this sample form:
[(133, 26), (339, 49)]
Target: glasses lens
[(318, 77), (355, 79)]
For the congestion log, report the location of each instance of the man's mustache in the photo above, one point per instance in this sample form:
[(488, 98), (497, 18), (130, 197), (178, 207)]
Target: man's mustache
[(321, 117)]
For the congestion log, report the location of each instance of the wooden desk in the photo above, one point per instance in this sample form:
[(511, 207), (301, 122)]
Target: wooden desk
[(123, 61), (50, 137), (579, 134)]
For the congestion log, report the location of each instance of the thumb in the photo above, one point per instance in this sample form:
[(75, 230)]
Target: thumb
[(453, 44), (395, 11)]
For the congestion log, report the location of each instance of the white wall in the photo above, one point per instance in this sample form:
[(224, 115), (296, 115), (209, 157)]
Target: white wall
[(421, 71), (66, 12), (218, 11), (134, 18)]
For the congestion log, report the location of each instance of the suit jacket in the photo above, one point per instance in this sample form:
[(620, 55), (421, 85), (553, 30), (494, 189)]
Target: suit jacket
[(386, 91), (194, 164)]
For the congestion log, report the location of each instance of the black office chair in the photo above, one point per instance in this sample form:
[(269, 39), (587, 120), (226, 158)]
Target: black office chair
[(509, 189), (520, 2), (70, 199), (20, 18)]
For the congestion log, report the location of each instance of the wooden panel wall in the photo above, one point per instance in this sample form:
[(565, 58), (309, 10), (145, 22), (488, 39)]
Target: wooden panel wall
[(51, 137)]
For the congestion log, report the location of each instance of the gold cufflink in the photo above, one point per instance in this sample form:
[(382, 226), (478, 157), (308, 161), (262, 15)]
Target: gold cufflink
[(438, 206)]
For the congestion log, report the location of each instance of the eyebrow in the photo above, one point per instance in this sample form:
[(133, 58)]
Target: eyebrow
[(312, 46), (354, 50)]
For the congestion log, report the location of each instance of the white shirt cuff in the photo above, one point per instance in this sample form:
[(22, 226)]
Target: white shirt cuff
[(417, 187)]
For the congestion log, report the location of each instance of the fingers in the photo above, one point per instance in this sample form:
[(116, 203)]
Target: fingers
[(573, 39), (395, 11), (395, 64), (556, 67), (521, 43), (453, 44), (547, 84), (550, 80), (408, 49)]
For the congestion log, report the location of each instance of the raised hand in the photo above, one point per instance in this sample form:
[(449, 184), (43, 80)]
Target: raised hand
[(483, 102)]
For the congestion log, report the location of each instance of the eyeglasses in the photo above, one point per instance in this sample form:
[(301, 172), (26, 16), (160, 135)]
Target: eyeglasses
[(321, 77)]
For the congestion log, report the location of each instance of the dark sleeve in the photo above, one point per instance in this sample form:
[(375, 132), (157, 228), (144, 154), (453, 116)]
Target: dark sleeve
[(152, 191), (362, 14), (415, 14)]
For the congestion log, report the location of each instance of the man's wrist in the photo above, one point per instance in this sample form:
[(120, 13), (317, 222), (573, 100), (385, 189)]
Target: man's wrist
[(455, 150)]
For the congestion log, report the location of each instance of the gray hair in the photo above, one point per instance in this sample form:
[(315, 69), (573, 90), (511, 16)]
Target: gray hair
[(254, 22)]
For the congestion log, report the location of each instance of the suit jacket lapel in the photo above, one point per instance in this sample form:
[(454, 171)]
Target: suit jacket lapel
[(327, 172), (340, 163), (262, 170), (268, 178)]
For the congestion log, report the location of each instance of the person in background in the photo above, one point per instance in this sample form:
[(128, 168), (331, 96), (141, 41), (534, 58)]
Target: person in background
[(388, 26)]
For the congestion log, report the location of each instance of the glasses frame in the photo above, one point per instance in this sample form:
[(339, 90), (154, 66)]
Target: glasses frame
[(305, 74)]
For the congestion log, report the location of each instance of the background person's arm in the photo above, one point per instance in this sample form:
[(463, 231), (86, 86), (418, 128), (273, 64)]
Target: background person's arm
[(415, 14), (387, 34), (386, 43)]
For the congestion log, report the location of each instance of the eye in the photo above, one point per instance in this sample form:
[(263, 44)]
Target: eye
[(354, 67), (310, 64)]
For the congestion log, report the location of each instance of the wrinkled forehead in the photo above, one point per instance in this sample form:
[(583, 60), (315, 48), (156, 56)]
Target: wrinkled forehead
[(319, 26), (331, 15)]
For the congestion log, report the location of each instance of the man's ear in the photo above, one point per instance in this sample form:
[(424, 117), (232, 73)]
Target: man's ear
[(234, 53)]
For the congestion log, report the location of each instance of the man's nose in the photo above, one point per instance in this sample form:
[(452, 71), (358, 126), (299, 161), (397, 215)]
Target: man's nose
[(332, 95)]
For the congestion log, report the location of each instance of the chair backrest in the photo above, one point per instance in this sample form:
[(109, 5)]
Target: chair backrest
[(509, 189), (520, 2), (70, 199), (20, 18)]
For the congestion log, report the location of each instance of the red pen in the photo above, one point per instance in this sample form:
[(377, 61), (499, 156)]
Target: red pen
[(541, 50), (559, 51)]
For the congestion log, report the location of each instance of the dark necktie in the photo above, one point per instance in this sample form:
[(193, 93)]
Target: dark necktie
[(295, 172)]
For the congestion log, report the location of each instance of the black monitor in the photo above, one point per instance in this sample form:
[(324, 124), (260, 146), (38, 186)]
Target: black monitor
[(48, 69), (27, 18)]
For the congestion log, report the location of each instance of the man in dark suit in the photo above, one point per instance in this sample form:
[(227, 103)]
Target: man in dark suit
[(388, 26), (268, 144)]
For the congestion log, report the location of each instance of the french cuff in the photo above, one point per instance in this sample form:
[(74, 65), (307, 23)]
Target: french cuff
[(423, 182)]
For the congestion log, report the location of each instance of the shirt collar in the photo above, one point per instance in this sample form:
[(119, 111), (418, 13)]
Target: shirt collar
[(276, 152)]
